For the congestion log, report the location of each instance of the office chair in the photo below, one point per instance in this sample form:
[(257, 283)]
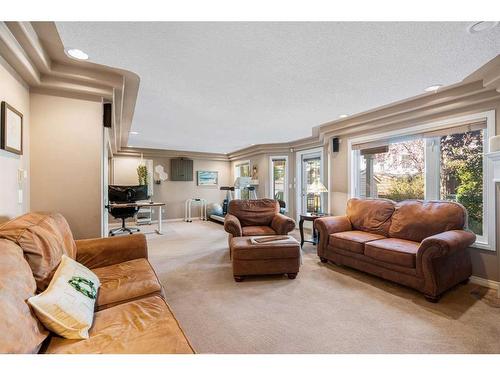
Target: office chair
[(123, 213)]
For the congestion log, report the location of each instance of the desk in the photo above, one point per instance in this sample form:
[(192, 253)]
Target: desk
[(140, 205)]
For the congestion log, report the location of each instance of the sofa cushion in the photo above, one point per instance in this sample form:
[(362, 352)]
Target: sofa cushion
[(142, 326), (21, 332), (126, 281), (393, 250), (44, 238), (370, 215), (257, 230), (353, 240), (416, 220), (254, 211), (66, 306)]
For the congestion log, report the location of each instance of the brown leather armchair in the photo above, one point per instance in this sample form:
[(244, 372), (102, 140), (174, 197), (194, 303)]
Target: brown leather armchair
[(257, 217), (420, 244)]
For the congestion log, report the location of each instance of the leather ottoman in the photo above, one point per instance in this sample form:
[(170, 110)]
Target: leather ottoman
[(271, 258)]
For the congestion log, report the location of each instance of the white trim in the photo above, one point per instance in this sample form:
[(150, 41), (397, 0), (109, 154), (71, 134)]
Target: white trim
[(287, 178), (485, 282), (488, 188)]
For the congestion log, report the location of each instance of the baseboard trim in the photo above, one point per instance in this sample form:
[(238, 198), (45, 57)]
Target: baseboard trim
[(485, 282)]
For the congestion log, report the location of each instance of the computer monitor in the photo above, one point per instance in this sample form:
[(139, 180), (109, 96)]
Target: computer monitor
[(127, 194)]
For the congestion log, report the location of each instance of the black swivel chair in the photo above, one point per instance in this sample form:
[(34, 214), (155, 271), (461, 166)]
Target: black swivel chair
[(123, 213)]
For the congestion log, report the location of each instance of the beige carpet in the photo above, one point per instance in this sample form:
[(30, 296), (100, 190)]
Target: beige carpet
[(327, 309)]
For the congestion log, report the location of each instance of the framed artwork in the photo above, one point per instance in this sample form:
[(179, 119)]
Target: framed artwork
[(11, 129), (208, 178)]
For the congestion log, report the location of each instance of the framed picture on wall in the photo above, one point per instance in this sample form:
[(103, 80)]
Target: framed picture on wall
[(11, 129), (208, 178)]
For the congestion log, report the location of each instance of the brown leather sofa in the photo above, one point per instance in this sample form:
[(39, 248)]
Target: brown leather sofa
[(131, 313), (420, 244), (256, 217)]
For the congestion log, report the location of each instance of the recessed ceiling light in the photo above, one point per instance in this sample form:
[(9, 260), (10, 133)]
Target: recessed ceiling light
[(77, 54), (433, 88), (133, 133), (343, 116), (479, 27)]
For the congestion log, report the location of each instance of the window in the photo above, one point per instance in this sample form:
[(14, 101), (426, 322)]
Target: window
[(242, 170), (394, 171), (446, 163), (279, 178), (461, 174), (312, 175)]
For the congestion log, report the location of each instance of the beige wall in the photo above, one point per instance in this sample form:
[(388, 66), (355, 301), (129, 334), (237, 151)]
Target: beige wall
[(66, 154), (175, 193), (485, 263), (15, 92)]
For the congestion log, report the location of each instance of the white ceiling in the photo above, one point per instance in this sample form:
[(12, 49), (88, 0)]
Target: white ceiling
[(219, 87)]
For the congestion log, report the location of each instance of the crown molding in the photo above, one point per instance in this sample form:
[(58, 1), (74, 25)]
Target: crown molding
[(35, 52), (489, 73), (275, 148), (159, 153)]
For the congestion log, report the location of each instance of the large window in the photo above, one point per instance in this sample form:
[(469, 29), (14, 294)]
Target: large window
[(445, 163), (461, 173), (279, 178), (394, 171), (242, 170)]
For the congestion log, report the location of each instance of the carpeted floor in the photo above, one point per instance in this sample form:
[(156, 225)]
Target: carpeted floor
[(327, 309)]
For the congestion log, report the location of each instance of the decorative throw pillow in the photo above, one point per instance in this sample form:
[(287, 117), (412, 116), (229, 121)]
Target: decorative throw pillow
[(66, 307)]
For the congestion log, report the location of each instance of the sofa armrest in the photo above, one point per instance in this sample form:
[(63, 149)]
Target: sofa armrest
[(329, 225), (101, 252), (282, 224), (232, 225), (445, 243), (443, 260)]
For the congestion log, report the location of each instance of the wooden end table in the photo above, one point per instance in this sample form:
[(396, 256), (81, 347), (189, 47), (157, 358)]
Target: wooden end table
[(310, 217)]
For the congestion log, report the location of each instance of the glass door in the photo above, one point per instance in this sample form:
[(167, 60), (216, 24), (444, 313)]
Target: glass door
[(311, 173)]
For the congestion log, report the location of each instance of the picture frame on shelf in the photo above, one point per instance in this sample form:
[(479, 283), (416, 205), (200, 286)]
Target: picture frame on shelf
[(11, 129), (208, 178)]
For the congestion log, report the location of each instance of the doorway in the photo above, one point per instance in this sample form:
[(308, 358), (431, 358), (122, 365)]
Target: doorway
[(309, 171)]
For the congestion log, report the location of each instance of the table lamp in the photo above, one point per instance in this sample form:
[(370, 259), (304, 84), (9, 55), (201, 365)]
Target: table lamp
[(316, 188)]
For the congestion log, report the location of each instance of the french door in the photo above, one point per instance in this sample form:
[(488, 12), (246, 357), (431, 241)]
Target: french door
[(311, 170)]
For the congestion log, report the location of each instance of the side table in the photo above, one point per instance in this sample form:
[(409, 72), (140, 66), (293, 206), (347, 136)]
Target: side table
[(310, 216)]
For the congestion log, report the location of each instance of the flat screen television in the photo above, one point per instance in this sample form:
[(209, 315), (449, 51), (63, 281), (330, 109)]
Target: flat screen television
[(127, 193)]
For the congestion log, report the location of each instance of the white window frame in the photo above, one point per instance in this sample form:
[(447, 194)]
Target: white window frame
[(487, 241), (271, 177), (237, 192)]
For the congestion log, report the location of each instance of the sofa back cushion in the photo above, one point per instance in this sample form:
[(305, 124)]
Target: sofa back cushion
[(370, 215), (21, 332), (44, 238), (254, 211), (415, 220)]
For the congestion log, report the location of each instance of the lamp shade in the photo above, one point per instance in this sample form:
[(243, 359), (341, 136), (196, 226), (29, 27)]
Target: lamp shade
[(316, 188)]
